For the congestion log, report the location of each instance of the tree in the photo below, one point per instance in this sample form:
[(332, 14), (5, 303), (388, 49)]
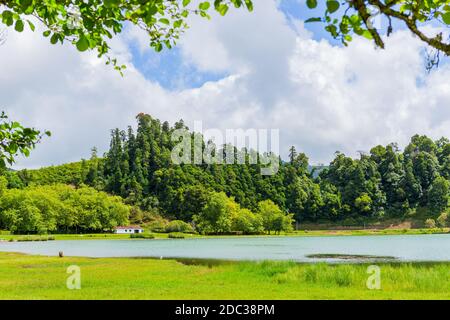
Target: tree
[(364, 204), (90, 25), (179, 226), (438, 195), (430, 223), (345, 19), (218, 214), (442, 220), (273, 218), (3, 185), (247, 222), (292, 154), (16, 139), (43, 209)]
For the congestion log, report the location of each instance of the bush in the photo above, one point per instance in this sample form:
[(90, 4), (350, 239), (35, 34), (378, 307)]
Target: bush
[(176, 235), (33, 238), (349, 222), (179, 226), (430, 223), (142, 236), (158, 225), (442, 220)]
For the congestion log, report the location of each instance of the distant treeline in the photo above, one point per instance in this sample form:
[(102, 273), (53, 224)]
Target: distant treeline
[(385, 183)]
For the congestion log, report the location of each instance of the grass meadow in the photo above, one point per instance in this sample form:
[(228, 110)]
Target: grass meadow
[(40, 277)]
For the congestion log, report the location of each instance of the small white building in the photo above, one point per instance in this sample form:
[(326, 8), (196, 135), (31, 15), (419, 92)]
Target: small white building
[(128, 230)]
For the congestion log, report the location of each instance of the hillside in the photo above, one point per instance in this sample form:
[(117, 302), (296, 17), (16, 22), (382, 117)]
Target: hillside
[(385, 184)]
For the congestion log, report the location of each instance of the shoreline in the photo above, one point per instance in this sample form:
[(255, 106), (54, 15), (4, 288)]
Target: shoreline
[(299, 233)]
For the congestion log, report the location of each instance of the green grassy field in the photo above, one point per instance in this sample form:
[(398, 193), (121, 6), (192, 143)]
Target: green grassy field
[(39, 277), (111, 236)]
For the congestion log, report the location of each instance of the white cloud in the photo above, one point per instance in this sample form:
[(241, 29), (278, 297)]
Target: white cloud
[(322, 97)]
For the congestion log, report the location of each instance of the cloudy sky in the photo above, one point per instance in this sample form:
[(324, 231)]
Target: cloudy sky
[(264, 69)]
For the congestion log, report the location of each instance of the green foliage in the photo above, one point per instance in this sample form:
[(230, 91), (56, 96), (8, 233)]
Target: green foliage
[(54, 208), (217, 215), (179, 226), (16, 139), (223, 215), (385, 183), (158, 225), (247, 222), (273, 218), (438, 195), (343, 20), (142, 236), (90, 25), (442, 220), (176, 235), (363, 203), (430, 223)]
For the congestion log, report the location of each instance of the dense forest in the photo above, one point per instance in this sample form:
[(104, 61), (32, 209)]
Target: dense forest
[(384, 183)]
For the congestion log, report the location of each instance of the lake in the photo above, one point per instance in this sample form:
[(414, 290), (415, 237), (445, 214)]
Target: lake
[(404, 248)]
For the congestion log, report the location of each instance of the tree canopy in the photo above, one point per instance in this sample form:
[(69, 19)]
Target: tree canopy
[(92, 24), (385, 183), (343, 19)]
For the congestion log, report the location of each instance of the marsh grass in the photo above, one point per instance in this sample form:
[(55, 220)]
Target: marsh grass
[(32, 238)]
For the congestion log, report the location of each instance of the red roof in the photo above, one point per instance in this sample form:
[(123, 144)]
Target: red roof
[(129, 227)]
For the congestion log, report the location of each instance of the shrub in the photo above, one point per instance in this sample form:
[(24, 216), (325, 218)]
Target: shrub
[(176, 235), (33, 238), (430, 223), (442, 220), (158, 225), (179, 226), (142, 236), (348, 222)]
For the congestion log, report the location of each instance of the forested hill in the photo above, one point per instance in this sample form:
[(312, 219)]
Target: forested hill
[(383, 183)]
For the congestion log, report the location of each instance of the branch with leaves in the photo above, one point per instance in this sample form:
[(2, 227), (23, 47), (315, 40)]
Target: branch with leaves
[(344, 19), (91, 24), (16, 139)]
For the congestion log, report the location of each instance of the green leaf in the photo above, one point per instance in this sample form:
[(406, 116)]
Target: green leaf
[(158, 47), (19, 26), (366, 34), (204, 6), (222, 9), (32, 27), (54, 38), (446, 18), (313, 20), (82, 43), (311, 3), (164, 20), (178, 23), (332, 6), (186, 2)]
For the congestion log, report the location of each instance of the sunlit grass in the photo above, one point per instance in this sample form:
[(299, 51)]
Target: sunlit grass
[(38, 277)]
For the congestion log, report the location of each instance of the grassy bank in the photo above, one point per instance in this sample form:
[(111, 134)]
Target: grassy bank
[(300, 233), (38, 277)]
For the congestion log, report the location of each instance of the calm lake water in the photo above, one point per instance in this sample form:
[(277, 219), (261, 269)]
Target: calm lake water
[(403, 248)]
